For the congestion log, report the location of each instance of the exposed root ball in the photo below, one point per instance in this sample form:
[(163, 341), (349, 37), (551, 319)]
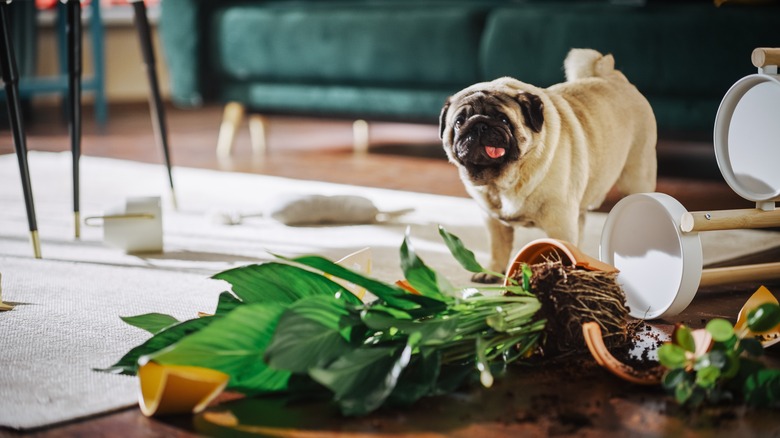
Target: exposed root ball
[(570, 297)]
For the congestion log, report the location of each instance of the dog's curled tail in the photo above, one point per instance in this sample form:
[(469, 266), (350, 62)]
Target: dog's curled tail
[(589, 63)]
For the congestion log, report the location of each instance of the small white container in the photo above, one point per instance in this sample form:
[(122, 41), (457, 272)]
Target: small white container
[(134, 225)]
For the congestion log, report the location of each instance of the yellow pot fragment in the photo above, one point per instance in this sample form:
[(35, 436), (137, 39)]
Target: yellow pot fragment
[(178, 389)]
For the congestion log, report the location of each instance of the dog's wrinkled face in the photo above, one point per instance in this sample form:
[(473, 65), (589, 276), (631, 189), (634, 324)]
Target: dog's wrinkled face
[(486, 130)]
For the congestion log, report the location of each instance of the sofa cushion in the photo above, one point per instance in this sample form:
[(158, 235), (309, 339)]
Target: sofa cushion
[(655, 46), (380, 44), (340, 101)]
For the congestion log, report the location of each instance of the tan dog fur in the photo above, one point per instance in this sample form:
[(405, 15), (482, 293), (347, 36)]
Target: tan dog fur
[(564, 148)]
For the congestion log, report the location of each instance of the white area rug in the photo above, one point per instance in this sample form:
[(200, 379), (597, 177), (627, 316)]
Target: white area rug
[(66, 321)]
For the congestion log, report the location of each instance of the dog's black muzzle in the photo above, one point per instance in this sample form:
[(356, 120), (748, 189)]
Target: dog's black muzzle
[(484, 141)]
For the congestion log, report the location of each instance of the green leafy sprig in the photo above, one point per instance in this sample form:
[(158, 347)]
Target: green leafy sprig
[(728, 368), (288, 328)]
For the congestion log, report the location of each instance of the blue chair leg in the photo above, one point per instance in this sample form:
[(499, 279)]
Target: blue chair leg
[(97, 83), (11, 81), (62, 43), (99, 66)]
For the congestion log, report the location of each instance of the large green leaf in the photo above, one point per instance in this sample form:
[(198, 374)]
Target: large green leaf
[(463, 255), (151, 322), (226, 303), (424, 279), (312, 332), (390, 311), (234, 344), (128, 364), (432, 330), (279, 283), (419, 378), (391, 294), (362, 379), (156, 322)]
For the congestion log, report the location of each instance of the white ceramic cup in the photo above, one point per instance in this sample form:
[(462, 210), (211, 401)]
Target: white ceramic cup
[(134, 225)]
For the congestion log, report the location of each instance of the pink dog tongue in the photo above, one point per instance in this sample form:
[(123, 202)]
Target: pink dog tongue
[(494, 152)]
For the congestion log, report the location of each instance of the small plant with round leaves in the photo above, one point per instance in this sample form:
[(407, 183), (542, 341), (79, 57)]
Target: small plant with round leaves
[(721, 363)]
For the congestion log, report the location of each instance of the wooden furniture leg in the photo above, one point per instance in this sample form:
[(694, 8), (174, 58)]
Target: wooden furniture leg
[(231, 120), (257, 134), (360, 136), (11, 80)]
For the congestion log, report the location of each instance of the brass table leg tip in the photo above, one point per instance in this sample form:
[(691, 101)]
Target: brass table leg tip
[(36, 243), (77, 224), (174, 201)]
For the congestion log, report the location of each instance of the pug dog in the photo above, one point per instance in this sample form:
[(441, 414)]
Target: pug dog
[(543, 157)]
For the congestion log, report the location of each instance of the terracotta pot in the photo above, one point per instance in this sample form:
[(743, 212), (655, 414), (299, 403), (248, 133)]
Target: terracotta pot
[(541, 250)]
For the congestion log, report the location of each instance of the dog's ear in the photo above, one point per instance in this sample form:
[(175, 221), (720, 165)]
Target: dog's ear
[(443, 118), (533, 110)]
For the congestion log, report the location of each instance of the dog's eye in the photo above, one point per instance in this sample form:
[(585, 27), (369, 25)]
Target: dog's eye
[(459, 121), (504, 119)]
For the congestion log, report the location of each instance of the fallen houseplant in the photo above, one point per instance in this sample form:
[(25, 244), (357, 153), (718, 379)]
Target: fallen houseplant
[(288, 327), (292, 327)]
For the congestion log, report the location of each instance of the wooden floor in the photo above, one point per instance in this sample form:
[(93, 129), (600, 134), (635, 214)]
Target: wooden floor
[(401, 156), (405, 157)]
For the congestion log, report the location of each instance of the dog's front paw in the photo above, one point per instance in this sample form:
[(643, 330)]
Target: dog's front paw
[(481, 277)]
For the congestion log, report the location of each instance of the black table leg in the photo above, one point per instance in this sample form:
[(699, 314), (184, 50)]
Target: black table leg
[(73, 33), (155, 100), (11, 81)]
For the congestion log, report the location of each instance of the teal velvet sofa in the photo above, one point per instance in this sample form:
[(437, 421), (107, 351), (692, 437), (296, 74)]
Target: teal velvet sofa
[(400, 59)]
